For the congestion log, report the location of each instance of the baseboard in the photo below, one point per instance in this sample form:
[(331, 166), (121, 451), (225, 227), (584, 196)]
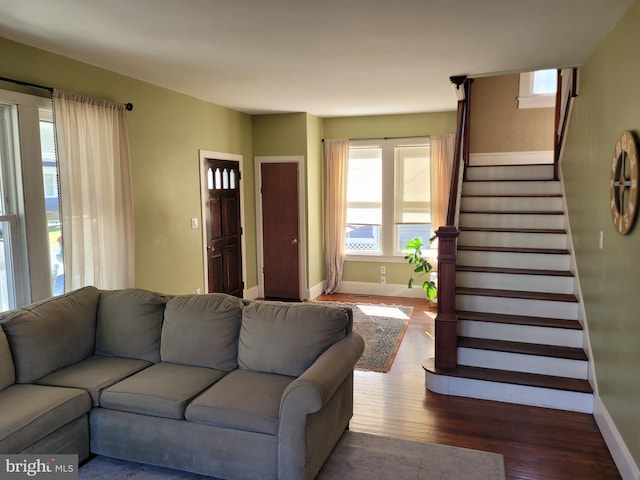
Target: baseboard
[(511, 158), (621, 455), (251, 293), (385, 289), (316, 290)]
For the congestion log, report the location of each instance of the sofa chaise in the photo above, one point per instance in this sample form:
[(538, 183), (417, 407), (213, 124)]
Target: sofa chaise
[(209, 383)]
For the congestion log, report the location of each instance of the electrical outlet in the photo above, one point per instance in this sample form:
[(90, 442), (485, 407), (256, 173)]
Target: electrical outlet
[(197, 291), (383, 279), (383, 270)]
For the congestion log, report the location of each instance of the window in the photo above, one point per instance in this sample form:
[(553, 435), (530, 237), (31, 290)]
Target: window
[(388, 195), (25, 175), (538, 89)]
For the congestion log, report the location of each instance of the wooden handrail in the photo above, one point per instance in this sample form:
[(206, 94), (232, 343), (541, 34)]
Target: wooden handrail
[(446, 322), (461, 140), (565, 93)]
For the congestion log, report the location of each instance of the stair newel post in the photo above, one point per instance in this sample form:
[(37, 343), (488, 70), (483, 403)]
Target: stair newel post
[(446, 323)]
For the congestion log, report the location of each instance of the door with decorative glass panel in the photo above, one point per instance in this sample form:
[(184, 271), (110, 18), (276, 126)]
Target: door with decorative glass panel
[(224, 231)]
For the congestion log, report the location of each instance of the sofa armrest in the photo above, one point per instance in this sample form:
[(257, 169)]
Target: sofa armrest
[(311, 393), (311, 390)]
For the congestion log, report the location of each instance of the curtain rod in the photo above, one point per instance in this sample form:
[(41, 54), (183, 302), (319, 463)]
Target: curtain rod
[(386, 138), (128, 106)]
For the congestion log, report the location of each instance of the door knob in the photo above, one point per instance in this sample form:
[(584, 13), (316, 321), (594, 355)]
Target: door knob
[(211, 249), (294, 241)]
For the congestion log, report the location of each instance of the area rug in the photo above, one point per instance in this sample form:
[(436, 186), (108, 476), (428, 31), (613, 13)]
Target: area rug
[(357, 456), (383, 328)]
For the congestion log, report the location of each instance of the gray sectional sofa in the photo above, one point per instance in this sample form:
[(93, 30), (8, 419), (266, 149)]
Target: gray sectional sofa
[(204, 383)]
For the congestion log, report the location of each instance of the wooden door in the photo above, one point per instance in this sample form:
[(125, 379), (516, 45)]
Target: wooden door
[(280, 230), (224, 231)]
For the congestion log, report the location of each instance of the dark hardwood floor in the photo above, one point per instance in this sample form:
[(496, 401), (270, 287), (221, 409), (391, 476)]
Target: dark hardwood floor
[(537, 443)]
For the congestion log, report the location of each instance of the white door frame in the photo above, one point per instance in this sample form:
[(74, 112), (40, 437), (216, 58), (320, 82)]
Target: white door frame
[(302, 221), (204, 155)]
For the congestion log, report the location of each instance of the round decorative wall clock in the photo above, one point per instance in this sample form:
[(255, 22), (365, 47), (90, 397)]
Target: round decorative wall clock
[(623, 191)]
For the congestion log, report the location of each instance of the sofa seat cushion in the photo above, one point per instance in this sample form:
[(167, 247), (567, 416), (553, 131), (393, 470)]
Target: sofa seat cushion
[(31, 412), (95, 374), (243, 400), (162, 390)]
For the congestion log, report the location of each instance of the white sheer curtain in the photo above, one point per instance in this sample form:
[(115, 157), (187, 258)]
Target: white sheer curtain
[(336, 158), (442, 152), (95, 192)]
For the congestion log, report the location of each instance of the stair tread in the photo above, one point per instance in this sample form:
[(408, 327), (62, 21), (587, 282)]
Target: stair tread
[(502, 180), (514, 271), (501, 165), (524, 295), (524, 348), (512, 195), (519, 320), (513, 230), (516, 378), (483, 248), (514, 212)]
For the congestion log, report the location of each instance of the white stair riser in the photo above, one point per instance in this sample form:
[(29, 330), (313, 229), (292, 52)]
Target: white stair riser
[(511, 188), (512, 220), (560, 367), (517, 306), (540, 261), (508, 204), (509, 393), (510, 172), (560, 337), (513, 239), (521, 283)]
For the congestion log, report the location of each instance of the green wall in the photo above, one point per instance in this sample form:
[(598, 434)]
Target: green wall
[(166, 130), (280, 134), (380, 126), (608, 103), (315, 200)]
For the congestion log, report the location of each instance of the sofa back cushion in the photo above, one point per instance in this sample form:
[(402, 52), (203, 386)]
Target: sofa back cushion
[(52, 334), (130, 324), (7, 372), (287, 338), (202, 330)]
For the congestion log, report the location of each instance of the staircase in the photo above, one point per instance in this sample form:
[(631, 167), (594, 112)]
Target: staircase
[(519, 338)]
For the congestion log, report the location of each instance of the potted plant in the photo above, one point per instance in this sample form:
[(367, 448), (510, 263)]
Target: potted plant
[(422, 267)]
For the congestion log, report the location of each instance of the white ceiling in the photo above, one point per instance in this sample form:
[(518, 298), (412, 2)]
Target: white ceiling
[(324, 57)]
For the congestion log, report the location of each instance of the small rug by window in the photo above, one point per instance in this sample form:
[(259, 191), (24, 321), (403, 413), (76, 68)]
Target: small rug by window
[(383, 328)]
